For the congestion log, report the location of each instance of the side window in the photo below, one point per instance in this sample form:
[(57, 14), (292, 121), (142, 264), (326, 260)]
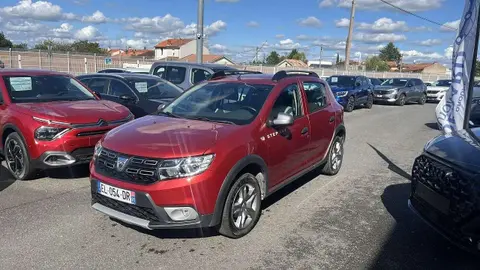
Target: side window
[(98, 85), (117, 88), (85, 80), (316, 95), (288, 101), (176, 75), (160, 72), (199, 75), (419, 82)]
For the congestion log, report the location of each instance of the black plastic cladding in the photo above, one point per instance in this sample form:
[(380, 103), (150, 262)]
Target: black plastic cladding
[(289, 73)]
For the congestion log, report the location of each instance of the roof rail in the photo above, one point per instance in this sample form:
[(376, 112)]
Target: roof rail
[(289, 73), (223, 73)]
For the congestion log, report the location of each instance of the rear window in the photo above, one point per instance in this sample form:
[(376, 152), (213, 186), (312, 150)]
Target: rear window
[(341, 81)]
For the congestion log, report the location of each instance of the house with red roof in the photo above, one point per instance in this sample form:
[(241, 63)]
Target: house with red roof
[(176, 48)]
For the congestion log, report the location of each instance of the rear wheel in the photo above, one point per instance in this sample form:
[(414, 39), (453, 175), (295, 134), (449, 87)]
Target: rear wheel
[(242, 208), (335, 157), (16, 157), (350, 104), (369, 103), (401, 100), (422, 100)]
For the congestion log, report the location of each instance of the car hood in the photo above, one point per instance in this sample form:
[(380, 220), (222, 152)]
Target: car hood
[(161, 137), (341, 88), (460, 149), (75, 112), (437, 88), (386, 87)]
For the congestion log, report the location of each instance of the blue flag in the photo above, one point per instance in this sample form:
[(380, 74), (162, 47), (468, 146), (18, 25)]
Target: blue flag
[(450, 111)]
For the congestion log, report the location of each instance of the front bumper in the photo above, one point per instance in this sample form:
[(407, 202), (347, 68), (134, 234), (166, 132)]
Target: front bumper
[(144, 213), (435, 97), (76, 157), (389, 98), (342, 100)]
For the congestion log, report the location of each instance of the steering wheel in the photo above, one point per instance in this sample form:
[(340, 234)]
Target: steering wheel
[(248, 108)]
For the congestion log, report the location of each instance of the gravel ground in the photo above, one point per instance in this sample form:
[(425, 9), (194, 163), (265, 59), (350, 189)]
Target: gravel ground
[(358, 219)]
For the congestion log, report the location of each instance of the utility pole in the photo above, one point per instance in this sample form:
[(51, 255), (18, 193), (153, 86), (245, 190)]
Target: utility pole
[(349, 37), (320, 61), (256, 55), (200, 32)]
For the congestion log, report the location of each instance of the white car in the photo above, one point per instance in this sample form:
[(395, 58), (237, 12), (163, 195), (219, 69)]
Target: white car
[(438, 89)]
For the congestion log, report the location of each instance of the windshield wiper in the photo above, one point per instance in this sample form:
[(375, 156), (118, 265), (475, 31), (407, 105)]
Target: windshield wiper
[(169, 114), (202, 118)]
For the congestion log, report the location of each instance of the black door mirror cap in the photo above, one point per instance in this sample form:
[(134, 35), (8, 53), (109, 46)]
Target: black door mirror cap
[(357, 84)]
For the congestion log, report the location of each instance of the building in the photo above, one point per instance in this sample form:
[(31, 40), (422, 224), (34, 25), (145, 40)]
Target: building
[(292, 63), (317, 64), (131, 53), (176, 48), (209, 58), (425, 68)]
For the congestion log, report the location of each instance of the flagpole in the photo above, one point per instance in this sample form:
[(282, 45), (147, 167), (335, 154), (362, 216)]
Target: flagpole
[(471, 83)]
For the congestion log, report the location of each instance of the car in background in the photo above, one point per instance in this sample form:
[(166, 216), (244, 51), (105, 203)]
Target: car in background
[(184, 74), (401, 91), (352, 91), (141, 94), (211, 156), (375, 82), (50, 120), (437, 90), (125, 70), (427, 84)]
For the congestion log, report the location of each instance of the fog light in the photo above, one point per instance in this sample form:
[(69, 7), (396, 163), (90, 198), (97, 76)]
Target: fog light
[(181, 213)]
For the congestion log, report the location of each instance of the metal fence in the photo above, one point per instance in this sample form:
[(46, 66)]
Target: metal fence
[(89, 63)]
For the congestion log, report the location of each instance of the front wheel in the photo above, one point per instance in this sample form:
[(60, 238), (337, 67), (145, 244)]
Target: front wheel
[(242, 208), (369, 103), (350, 104), (335, 157), (401, 100), (16, 157), (422, 100)]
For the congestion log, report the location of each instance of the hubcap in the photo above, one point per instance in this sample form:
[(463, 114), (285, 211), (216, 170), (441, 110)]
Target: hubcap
[(14, 156), (350, 103), (336, 159), (244, 206)]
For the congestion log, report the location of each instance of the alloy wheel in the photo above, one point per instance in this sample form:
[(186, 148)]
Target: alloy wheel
[(15, 158), (337, 154), (402, 100), (350, 104), (244, 206)]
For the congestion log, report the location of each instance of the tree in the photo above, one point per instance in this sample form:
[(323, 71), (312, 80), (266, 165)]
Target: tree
[(338, 58), (477, 67), (4, 42), (273, 58), (390, 53), (377, 64), (23, 46), (80, 46), (295, 54), (54, 46), (88, 47)]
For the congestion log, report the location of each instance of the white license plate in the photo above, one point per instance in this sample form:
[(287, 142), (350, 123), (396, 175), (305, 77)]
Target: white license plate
[(378, 95), (116, 193)]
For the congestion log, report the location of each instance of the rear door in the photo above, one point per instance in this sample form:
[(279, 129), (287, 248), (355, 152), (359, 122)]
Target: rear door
[(198, 75)]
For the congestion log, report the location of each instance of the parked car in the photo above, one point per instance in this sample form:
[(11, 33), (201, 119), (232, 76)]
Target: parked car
[(141, 94), (444, 187), (401, 91), (352, 91), (437, 90), (125, 70), (211, 156), (427, 84), (375, 82), (50, 120), (184, 74)]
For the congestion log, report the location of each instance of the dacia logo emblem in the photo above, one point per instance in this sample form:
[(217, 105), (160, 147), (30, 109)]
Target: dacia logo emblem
[(121, 163), (102, 123)]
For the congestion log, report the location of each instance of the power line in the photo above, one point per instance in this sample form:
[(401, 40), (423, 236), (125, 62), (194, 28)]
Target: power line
[(418, 16)]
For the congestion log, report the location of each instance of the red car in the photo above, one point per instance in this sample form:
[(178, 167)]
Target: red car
[(212, 155), (50, 120)]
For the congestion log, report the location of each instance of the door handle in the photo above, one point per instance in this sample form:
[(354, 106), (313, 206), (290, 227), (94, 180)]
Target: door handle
[(332, 118), (304, 131)]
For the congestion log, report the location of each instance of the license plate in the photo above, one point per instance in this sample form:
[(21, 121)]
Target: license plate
[(116, 193), (378, 95), (436, 200)]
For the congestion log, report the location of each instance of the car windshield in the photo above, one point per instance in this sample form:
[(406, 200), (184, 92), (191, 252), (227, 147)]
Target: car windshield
[(395, 82), (443, 83), (230, 102), (155, 88), (44, 88), (341, 81)]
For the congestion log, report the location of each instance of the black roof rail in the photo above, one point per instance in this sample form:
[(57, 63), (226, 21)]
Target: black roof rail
[(223, 73), (289, 73)]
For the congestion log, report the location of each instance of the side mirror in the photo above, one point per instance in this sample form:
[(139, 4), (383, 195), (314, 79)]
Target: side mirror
[(97, 94), (282, 120), (409, 85), (127, 98), (161, 107), (357, 84)]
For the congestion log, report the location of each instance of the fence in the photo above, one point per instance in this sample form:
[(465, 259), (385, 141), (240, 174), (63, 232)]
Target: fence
[(89, 63)]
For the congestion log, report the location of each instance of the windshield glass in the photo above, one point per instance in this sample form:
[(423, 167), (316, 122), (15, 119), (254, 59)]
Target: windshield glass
[(395, 82), (237, 102), (341, 81), (43, 88), (155, 88), (443, 83)]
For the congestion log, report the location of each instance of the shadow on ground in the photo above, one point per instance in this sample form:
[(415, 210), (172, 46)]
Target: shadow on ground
[(414, 245), (6, 179), (78, 171), (432, 126), (391, 165)]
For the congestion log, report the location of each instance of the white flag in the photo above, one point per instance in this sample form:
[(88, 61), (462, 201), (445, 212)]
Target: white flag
[(450, 111)]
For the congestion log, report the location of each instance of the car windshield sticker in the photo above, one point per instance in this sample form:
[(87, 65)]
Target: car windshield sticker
[(142, 87), (21, 83), (334, 79)]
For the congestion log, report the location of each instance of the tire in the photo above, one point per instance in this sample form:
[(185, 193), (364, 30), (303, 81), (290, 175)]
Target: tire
[(334, 157), (350, 104), (401, 100), (16, 155), (369, 103), (231, 223), (422, 100)]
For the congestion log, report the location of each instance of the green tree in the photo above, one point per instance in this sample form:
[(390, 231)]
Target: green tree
[(377, 64), (4, 42), (390, 53), (295, 54), (20, 46), (54, 46), (273, 58), (87, 47)]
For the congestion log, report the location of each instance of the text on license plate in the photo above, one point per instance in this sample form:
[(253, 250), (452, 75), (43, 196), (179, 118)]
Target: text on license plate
[(115, 193)]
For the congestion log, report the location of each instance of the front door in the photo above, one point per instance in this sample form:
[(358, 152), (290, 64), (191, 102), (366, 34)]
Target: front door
[(118, 89), (288, 146)]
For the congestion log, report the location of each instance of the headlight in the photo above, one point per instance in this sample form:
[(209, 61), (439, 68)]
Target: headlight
[(342, 93), (97, 150), (49, 133), (184, 167), (394, 90), (130, 116)]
